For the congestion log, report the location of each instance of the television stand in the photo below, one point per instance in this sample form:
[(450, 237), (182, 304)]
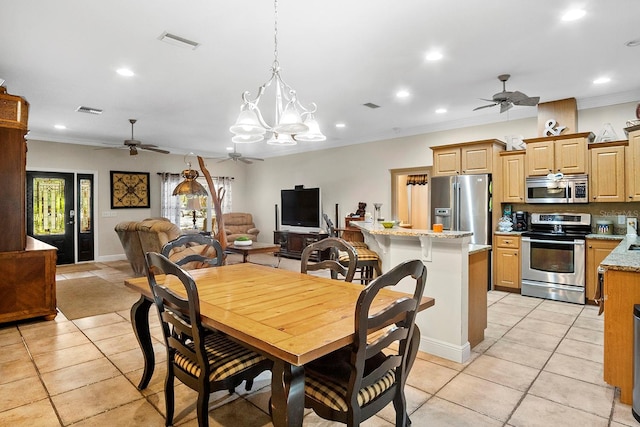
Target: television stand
[(293, 243)]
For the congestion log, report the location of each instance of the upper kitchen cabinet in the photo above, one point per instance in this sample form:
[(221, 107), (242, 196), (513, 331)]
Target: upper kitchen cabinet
[(562, 153), (632, 160), (513, 177), (476, 157), (607, 175)]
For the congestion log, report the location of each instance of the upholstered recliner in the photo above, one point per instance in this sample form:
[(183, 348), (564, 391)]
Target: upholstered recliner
[(140, 237), (238, 224)]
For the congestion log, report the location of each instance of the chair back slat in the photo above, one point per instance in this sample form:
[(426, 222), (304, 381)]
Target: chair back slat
[(205, 257), (335, 246)]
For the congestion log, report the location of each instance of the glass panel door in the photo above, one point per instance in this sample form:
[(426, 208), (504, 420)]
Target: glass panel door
[(85, 218)]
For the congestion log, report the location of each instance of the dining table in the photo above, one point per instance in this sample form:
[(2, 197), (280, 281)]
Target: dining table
[(290, 317)]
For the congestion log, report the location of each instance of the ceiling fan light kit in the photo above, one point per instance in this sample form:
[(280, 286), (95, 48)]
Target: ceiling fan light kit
[(291, 117), (507, 99)]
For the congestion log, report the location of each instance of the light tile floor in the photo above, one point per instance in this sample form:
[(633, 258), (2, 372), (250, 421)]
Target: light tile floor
[(539, 365)]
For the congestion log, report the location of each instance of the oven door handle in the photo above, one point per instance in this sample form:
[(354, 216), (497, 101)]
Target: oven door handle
[(555, 242)]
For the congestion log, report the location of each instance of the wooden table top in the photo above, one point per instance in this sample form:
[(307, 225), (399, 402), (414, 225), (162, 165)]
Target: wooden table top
[(293, 316)]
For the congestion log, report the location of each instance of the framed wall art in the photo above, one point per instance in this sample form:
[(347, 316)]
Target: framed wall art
[(129, 190)]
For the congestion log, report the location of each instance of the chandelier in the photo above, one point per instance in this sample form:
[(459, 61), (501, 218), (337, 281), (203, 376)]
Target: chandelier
[(293, 122)]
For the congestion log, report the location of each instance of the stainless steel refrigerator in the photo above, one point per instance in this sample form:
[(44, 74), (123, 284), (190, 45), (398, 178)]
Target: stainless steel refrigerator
[(463, 203)]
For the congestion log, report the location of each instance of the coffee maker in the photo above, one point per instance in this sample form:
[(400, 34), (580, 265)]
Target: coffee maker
[(520, 220)]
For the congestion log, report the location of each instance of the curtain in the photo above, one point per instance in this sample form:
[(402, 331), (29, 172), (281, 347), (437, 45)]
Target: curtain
[(169, 204), (224, 182), (417, 179)]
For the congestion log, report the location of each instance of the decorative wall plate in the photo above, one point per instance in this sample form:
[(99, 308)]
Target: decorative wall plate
[(129, 190)]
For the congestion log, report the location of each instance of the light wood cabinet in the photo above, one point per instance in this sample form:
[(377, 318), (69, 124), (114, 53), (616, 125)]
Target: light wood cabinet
[(632, 160), (476, 157), (564, 153), (507, 261), (607, 176), (597, 250), (621, 292), (513, 177)]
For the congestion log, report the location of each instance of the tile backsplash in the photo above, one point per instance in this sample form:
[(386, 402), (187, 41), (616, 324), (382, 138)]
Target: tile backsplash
[(615, 212)]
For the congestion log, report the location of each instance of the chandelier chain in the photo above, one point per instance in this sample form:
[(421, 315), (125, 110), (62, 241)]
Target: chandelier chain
[(275, 33)]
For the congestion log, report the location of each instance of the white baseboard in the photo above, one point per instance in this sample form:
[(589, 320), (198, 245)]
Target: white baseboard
[(107, 258), (445, 350)]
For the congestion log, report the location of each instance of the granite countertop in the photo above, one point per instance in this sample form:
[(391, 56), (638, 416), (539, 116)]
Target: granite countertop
[(605, 236), (399, 231), (478, 248), (621, 258), (508, 233)]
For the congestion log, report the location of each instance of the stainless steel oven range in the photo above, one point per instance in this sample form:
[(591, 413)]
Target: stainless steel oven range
[(553, 256)]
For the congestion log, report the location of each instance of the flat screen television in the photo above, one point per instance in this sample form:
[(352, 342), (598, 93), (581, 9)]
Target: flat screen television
[(301, 207)]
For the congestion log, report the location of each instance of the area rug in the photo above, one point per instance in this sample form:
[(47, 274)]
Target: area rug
[(90, 296)]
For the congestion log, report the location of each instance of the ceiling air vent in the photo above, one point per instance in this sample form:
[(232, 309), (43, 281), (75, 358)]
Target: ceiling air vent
[(371, 105), (89, 110), (178, 41)]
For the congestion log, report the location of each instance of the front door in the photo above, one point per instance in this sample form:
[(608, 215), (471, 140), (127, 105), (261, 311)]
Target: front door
[(50, 211)]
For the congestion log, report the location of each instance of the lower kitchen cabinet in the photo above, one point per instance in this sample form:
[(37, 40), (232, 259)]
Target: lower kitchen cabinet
[(621, 292), (478, 277), (507, 262), (597, 250)]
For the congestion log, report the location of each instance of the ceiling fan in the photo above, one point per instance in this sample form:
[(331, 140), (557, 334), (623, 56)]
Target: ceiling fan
[(506, 99), (134, 144), (235, 156)]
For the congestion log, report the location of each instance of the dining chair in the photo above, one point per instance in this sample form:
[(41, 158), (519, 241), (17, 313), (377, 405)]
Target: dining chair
[(339, 249), (355, 382), (204, 362), (368, 260), (194, 250)]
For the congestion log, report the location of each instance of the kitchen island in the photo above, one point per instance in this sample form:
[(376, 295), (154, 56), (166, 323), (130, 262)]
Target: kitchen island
[(621, 292), (445, 327)]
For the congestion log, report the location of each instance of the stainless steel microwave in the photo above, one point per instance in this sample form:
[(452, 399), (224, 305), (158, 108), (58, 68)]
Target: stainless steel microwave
[(568, 189)]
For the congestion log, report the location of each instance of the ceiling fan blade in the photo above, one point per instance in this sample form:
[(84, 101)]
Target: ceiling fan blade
[(157, 150), (253, 158), (484, 106), (529, 101), (504, 106), (244, 160), (224, 160)]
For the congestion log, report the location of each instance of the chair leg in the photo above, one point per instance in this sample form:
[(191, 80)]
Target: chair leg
[(203, 406), (169, 396)]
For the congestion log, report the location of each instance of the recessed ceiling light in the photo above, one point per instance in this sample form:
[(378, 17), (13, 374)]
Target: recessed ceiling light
[(125, 72), (61, 127), (601, 80), (441, 110), (341, 125), (573, 15), (434, 56), (402, 94)]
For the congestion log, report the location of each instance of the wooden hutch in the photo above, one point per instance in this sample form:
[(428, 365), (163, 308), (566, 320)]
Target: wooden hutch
[(27, 266)]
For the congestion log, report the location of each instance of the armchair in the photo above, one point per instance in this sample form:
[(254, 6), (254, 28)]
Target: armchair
[(238, 224), (140, 237)]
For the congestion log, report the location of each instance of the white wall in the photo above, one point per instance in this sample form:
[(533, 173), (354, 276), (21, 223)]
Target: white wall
[(346, 175), (356, 173)]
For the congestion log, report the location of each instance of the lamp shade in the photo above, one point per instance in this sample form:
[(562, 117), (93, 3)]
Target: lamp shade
[(313, 134), (291, 121), (282, 140), (190, 187), (247, 124), (246, 139)]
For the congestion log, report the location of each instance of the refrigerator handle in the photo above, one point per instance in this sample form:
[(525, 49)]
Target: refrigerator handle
[(456, 190)]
